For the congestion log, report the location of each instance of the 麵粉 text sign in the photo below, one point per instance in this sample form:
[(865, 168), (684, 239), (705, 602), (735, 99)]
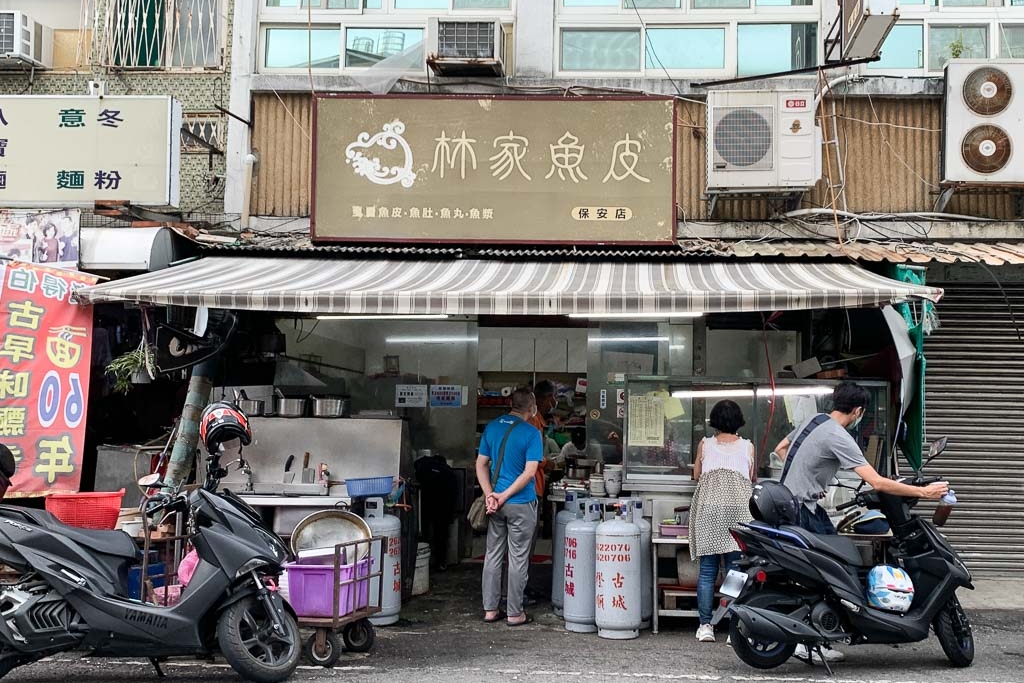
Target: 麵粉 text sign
[(73, 151), (494, 169)]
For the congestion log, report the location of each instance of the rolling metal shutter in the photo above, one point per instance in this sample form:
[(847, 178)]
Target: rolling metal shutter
[(975, 396)]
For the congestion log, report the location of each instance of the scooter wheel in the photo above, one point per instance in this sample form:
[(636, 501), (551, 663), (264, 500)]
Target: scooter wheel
[(327, 656), (954, 633), (251, 646), (358, 636), (756, 653)]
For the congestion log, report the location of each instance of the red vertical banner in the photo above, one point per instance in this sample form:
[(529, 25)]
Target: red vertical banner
[(45, 356)]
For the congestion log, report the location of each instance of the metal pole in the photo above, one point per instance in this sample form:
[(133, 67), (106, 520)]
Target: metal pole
[(199, 387)]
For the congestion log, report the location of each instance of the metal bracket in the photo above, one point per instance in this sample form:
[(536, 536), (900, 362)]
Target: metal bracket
[(942, 201), (223, 110)]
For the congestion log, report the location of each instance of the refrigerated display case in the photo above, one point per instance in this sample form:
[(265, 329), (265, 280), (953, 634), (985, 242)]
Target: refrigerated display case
[(666, 417)]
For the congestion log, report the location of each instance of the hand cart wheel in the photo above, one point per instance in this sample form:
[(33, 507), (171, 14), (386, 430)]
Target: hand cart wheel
[(358, 636), (325, 654)]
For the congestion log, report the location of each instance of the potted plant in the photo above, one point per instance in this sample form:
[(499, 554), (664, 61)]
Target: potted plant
[(134, 367)]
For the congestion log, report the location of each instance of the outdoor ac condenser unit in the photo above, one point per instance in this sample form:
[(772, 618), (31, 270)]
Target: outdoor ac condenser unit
[(983, 127), (762, 140), (474, 47), (24, 42)]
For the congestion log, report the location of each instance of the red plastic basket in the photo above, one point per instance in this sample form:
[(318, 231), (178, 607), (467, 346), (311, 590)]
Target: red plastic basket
[(86, 510)]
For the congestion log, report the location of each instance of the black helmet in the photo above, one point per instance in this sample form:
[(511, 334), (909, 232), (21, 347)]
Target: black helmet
[(222, 422), (773, 503)]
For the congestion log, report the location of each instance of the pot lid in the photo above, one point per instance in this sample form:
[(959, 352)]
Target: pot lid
[(328, 528)]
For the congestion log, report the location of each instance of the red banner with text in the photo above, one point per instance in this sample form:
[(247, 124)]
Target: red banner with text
[(45, 356)]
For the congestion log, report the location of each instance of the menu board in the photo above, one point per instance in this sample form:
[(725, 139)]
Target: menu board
[(646, 421)]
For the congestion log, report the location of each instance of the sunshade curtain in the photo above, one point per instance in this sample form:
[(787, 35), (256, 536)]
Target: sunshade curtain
[(479, 287)]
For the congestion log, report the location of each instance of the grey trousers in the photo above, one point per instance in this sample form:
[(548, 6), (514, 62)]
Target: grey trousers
[(509, 530)]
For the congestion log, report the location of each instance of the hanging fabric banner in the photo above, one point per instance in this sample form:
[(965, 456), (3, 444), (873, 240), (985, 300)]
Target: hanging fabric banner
[(45, 353)]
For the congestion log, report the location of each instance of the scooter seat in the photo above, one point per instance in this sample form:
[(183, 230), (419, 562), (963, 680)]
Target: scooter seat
[(837, 546), (114, 543)]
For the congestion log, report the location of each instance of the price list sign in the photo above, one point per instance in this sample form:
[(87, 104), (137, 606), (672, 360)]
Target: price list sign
[(45, 357)]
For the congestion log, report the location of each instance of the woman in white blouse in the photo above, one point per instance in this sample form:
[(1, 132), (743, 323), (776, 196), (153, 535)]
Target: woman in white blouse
[(725, 471)]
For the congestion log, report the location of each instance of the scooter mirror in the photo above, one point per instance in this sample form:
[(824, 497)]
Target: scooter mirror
[(937, 447), (150, 480)]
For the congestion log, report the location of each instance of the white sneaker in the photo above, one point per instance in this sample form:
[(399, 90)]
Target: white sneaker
[(831, 655), (728, 640), (706, 633)]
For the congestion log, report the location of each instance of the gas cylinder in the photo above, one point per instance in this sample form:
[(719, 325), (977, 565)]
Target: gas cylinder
[(390, 527), (617, 577), (646, 571), (578, 571), (571, 512)]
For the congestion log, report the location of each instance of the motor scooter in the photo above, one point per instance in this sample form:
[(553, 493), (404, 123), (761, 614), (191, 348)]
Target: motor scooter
[(796, 587), (71, 590)]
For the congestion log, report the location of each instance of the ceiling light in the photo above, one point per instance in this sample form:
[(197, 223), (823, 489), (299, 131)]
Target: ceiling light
[(430, 340), (636, 316)]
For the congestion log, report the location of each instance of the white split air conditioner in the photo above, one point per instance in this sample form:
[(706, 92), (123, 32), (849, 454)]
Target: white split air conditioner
[(983, 127), (762, 140), (470, 47), (24, 42)]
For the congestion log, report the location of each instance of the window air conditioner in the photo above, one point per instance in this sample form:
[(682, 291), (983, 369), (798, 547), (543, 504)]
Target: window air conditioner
[(762, 140), (24, 42), (466, 48)]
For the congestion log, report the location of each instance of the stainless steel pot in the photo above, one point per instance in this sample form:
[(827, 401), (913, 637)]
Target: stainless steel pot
[(578, 472), (249, 407), (329, 406), (288, 407)]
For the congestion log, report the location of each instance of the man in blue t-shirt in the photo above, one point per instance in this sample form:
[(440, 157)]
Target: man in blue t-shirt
[(510, 451)]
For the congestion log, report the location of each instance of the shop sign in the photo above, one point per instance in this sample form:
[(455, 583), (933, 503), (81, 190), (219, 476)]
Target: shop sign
[(446, 396), (494, 169), (45, 357), (411, 396), (50, 237), (74, 151)]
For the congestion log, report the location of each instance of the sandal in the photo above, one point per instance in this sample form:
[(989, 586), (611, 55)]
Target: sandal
[(501, 615), (524, 622)]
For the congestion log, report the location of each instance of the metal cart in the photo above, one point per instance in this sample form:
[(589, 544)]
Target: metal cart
[(324, 647)]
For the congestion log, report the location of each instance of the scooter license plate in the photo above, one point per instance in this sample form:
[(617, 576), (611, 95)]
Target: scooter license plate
[(734, 583)]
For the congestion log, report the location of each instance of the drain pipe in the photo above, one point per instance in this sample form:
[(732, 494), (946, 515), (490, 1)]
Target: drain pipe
[(250, 163), (835, 82)]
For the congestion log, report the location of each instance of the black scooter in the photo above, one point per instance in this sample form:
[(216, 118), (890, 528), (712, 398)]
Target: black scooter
[(796, 587), (72, 592)]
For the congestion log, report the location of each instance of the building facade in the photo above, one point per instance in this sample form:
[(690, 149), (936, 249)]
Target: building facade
[(134, 47)]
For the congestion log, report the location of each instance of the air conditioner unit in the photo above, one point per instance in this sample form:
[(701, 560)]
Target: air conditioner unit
[(762, 140), (24, 42), (474, 47), (984, 122)]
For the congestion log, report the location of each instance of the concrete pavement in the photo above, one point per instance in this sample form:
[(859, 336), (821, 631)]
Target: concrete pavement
[(441, 640)]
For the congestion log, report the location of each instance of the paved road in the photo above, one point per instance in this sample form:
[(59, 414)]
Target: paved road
[(458, 650)]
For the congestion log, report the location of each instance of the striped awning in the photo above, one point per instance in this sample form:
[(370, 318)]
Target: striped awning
[(478, 287)]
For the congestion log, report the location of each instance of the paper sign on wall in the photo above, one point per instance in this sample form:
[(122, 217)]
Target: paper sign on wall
[(445, 396), (411, 396), (646, 421)]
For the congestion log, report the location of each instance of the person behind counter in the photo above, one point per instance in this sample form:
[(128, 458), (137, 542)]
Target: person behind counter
[(725, 471), (510, 452)]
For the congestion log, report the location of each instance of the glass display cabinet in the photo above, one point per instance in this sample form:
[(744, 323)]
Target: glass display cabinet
[(666, 417)]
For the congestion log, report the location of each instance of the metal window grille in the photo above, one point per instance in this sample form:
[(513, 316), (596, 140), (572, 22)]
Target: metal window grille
[(465, 39), (162, 33), (744, 137), (207, 127), (8, 33)]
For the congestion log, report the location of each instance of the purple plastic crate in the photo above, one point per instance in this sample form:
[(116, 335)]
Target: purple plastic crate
[(311, 588)]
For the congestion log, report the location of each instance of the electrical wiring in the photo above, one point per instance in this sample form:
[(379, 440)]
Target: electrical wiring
[(888, 125), (896, 154)]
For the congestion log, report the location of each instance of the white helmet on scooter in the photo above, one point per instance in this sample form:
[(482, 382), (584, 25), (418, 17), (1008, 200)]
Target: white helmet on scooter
[(890, 588)]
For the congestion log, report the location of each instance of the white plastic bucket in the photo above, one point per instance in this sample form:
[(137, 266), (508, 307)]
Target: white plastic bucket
[(421, 577)]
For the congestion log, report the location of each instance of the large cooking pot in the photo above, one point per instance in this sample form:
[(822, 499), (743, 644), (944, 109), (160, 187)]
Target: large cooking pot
[(329, 406), (578, 472), (288, 407), (247, 406)]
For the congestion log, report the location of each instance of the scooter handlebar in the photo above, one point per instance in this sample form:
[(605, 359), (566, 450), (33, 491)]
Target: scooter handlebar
[(848, 504)]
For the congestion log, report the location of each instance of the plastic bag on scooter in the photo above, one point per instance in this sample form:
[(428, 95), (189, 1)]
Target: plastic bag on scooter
[(187, 567)]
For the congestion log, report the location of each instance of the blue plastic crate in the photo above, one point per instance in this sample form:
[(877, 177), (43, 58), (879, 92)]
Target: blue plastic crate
[(155, 569), (369, 487)]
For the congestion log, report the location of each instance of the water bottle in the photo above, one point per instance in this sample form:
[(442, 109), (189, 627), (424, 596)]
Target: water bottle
[(945, 507)]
